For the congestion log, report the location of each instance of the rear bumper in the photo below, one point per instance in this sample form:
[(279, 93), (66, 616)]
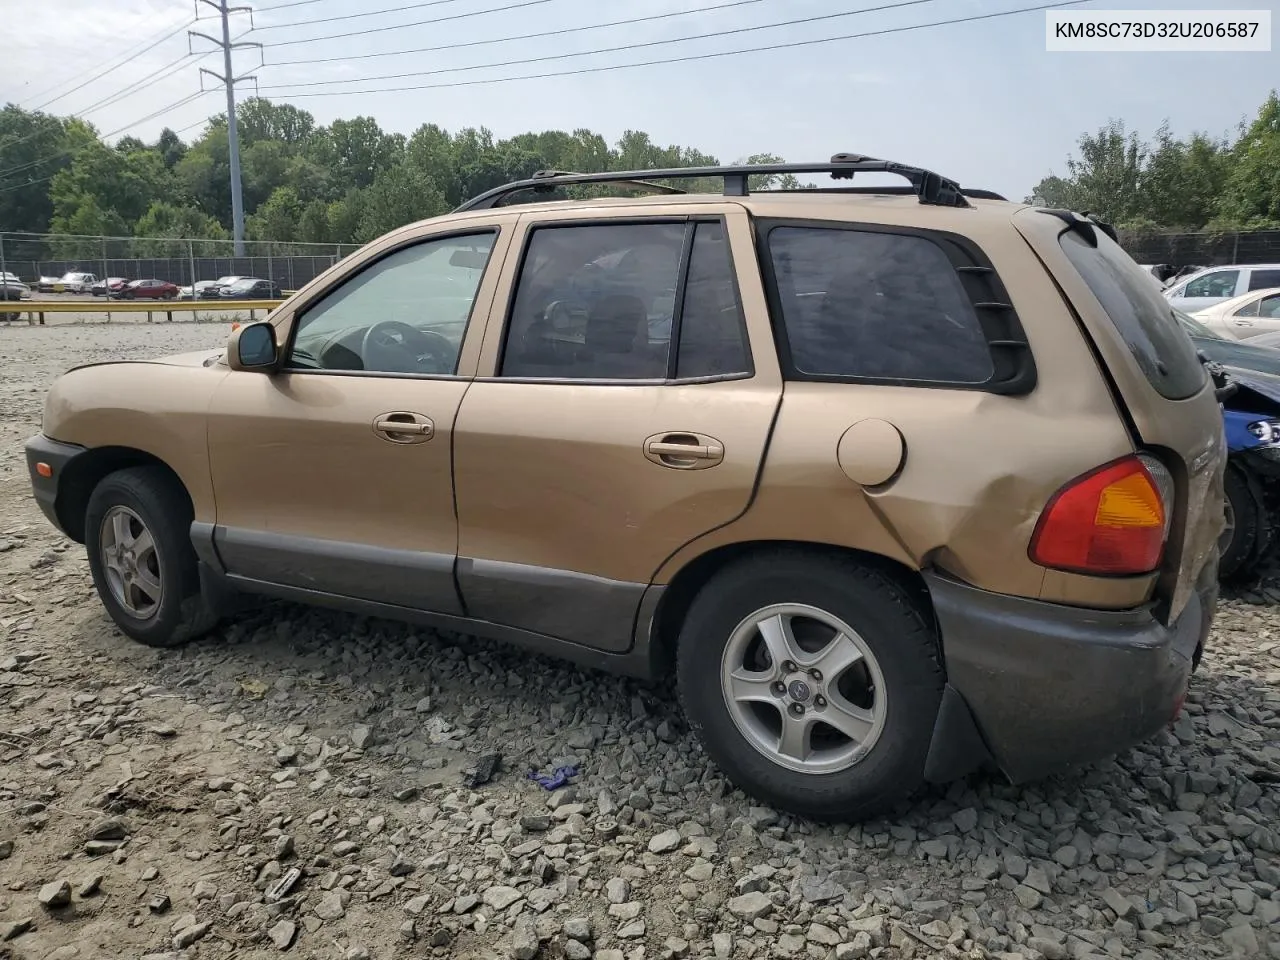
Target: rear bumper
[(40, 449), (1049, 686)]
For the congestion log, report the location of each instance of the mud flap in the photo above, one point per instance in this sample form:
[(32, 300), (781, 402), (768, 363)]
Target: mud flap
[(957, 748)]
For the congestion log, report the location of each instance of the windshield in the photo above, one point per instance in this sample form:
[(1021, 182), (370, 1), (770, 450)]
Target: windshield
[(243, 284)]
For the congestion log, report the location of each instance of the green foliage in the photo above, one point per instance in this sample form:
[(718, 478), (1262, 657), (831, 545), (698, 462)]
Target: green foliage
[(164, 220), (303, 182), (1171, 184), (1252, 196)]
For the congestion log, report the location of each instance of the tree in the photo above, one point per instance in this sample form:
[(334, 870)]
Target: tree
[(357, 149), (259, 119), (164, 221), (1183, 181), (170, 147), (1105, 179), (84, 221), (1251, 197), (110, 181), (34, 147), (398, 195), (277, 219)]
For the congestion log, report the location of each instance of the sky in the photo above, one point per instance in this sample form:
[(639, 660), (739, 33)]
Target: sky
[(980, 102)]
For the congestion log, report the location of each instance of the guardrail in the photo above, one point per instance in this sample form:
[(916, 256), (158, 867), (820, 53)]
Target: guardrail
[(35, 310)]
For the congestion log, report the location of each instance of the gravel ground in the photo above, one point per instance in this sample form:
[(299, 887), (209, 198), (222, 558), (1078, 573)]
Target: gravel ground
[(296, 784)]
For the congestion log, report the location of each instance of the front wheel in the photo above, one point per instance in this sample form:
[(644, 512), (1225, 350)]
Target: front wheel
[(137, 536), (813, 682)]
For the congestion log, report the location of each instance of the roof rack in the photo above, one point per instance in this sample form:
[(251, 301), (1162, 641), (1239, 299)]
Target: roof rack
[(929, 187)]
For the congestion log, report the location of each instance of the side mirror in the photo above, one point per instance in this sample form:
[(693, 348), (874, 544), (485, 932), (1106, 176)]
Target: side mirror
[(252, 347)]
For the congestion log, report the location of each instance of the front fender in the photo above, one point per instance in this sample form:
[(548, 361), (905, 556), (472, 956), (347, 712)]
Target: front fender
[(157, 408)]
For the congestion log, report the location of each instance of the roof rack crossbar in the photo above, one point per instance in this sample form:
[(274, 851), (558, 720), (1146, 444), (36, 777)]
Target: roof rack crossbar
[(929, 187)]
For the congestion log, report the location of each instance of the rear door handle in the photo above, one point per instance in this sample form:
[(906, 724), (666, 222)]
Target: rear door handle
[(401, 426), (683, 451)]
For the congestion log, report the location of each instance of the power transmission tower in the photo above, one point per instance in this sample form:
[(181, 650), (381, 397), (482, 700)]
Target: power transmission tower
[(229, 80)]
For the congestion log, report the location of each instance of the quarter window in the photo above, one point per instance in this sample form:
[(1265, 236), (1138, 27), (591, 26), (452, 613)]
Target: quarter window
[(1270, 307), (878, 306), (406, 313), (1248, 310), (1220, 284)]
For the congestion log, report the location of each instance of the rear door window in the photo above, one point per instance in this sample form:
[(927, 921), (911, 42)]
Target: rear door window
[(1263, 279), (1142, 316)]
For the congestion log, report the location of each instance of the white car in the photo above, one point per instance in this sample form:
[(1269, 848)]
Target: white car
[(1245, 316), (12, 288), (1213, 285), (77, 282)]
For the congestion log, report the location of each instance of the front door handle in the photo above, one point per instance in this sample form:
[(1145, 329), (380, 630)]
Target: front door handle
[(401, 426), (683, 451)]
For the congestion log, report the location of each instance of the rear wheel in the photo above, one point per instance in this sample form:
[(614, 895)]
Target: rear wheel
[(812, 682), (1247, 532), (137, 536)]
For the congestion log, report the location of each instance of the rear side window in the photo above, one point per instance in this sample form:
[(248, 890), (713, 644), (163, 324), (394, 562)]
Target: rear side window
[(871, 305), (1142, 316), (1263, 279)]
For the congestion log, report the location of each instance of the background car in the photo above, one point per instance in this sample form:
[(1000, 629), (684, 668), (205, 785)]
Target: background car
[(1245, 316), (1215, 284), (251, 288), (215, 290), (148, 290), (46, 284), (197, 290), (104, 288), (75, 282), (1225, 349), (11, 288)]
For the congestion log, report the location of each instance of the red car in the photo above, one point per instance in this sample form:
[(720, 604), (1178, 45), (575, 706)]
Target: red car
[(147, 290)]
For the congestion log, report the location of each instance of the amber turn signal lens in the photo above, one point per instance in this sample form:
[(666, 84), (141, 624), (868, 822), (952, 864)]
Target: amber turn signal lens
[(44, 470)]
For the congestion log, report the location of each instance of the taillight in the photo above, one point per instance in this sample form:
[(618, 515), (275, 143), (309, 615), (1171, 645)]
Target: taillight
[(1110, 521)]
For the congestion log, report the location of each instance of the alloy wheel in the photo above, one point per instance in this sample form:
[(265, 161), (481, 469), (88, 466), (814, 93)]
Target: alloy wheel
[(130, 562), (803, 688)]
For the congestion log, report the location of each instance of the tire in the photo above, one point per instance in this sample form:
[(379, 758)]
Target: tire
[(146, 499), (898, 682), (1248, 536)]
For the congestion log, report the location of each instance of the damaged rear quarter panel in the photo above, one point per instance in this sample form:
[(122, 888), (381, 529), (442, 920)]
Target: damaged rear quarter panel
[(979, 467)]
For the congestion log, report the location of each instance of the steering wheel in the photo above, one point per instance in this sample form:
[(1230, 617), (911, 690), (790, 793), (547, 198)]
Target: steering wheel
[(390, 346)]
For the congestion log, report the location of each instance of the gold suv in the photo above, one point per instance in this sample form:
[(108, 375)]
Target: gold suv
[(891, 483)]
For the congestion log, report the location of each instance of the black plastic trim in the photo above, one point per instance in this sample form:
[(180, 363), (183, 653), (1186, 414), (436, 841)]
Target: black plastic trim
[(636, 663), (1013, 363), (929, 187), (574, 607), (409, 578)]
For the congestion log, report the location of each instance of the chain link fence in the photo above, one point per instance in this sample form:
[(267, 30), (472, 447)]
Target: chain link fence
[(1203, 249), (179, 260), (183, 261)]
